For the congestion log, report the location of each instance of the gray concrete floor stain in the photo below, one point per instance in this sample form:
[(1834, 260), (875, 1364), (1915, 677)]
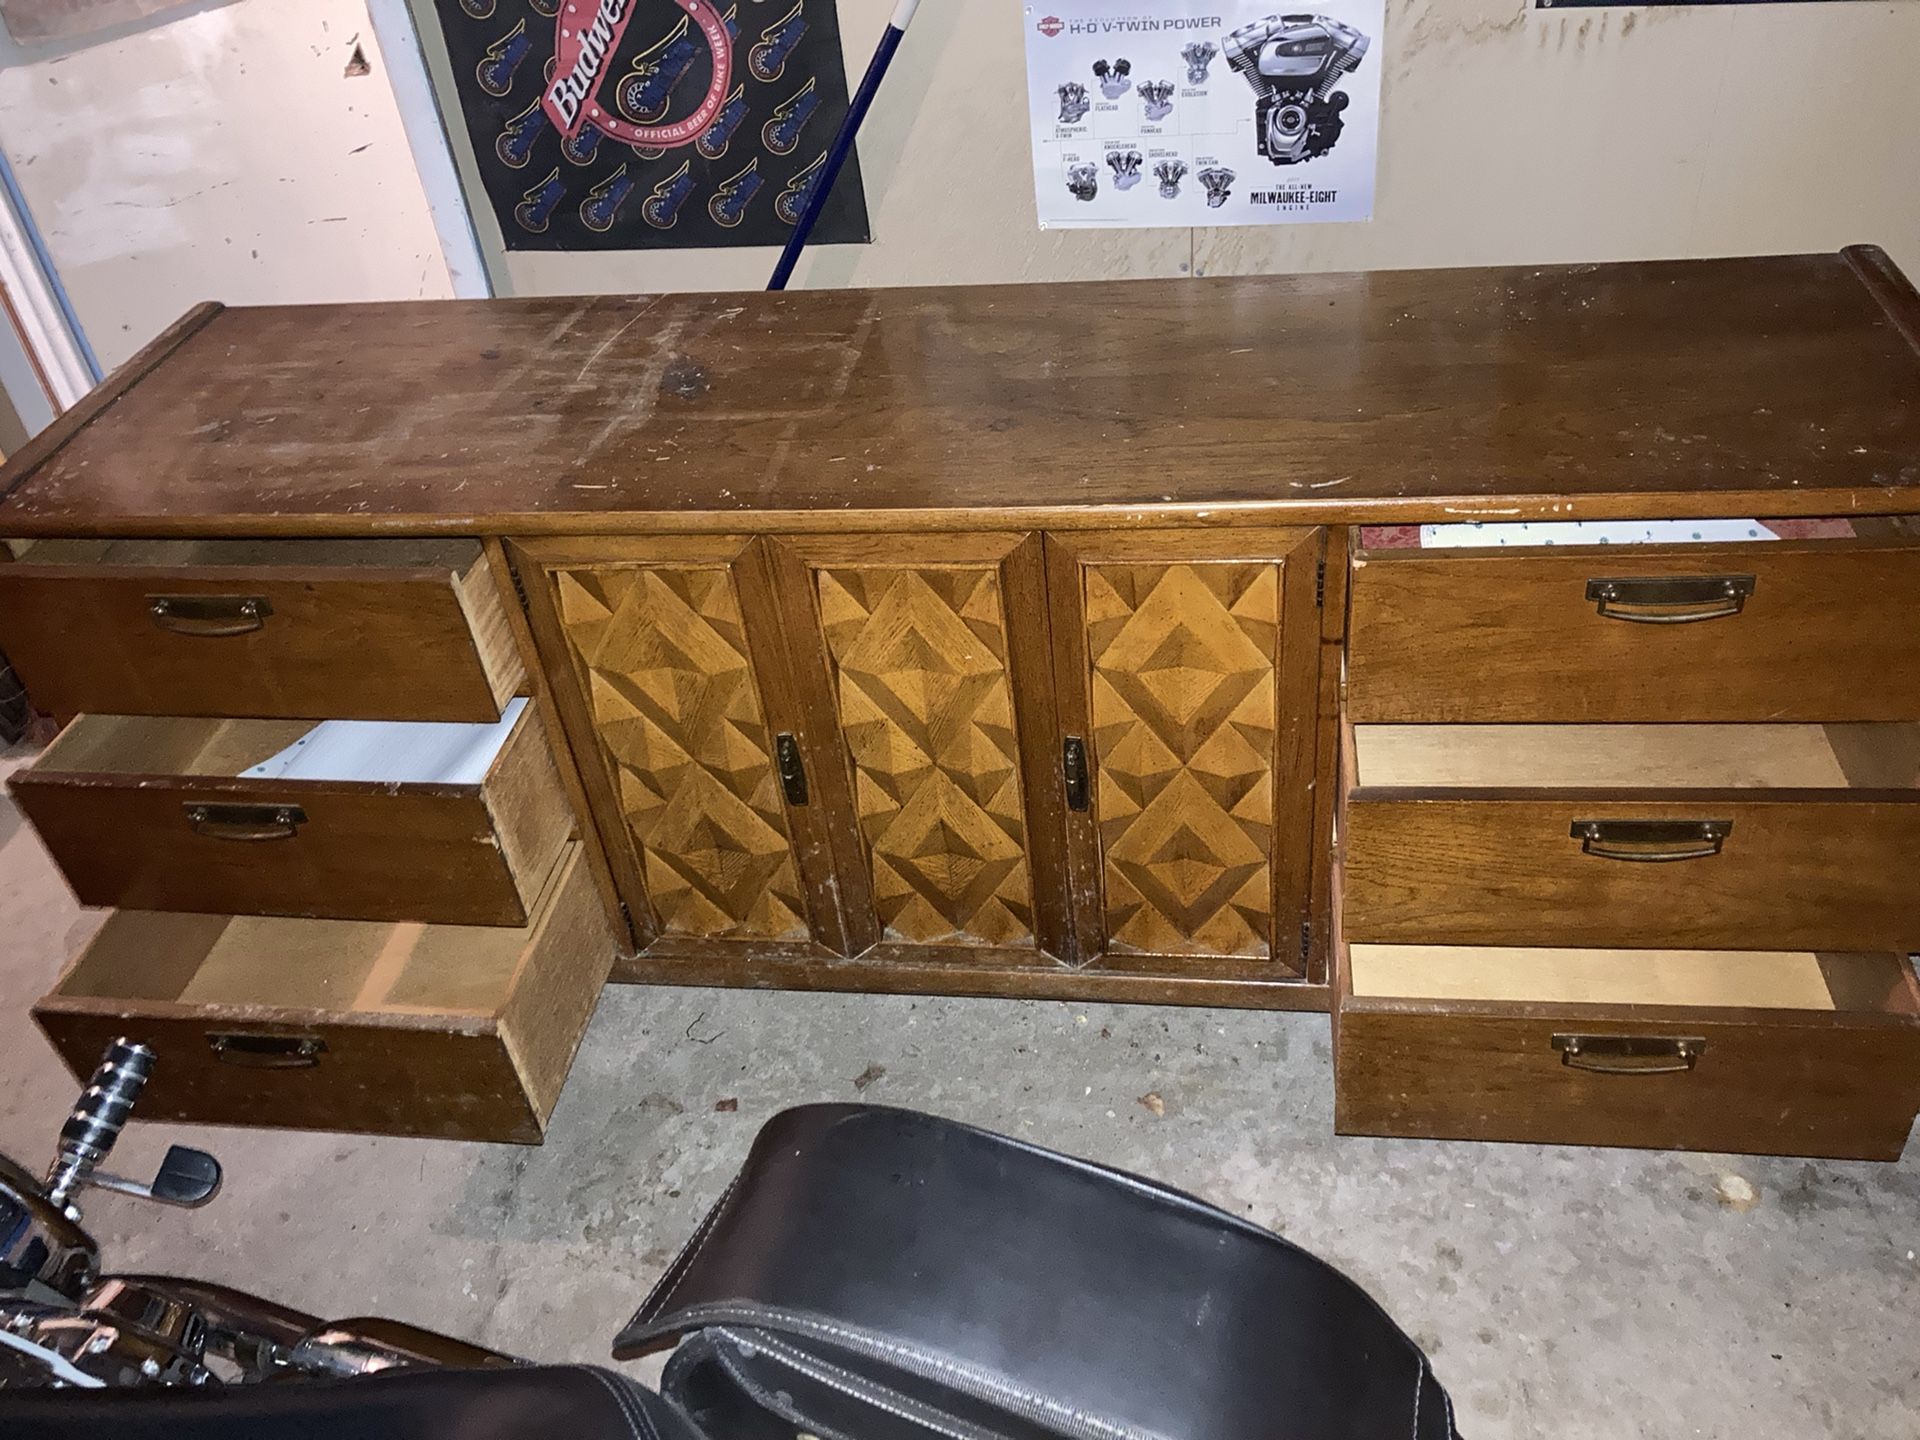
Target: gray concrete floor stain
[(1564, 1292)]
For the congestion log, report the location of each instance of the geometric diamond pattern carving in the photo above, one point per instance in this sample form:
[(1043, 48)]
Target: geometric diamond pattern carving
[(1184, 728), (920, 661), (678, 715)]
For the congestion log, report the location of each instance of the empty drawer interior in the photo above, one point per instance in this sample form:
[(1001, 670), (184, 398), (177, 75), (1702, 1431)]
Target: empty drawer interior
[(1610, 757), (1717, 979), (385, 752), (241, 965)]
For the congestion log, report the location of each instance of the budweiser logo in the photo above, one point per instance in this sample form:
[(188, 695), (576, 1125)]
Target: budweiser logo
[(588, 37), (573, 78)]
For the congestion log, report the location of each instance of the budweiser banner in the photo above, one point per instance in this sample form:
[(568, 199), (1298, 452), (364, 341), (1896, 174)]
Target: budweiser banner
[(644, 124)]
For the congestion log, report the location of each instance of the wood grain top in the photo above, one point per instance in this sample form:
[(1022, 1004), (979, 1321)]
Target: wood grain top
[(1763, 386)]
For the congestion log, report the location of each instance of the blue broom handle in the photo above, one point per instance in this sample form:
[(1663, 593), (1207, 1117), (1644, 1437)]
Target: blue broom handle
[(843, 142)]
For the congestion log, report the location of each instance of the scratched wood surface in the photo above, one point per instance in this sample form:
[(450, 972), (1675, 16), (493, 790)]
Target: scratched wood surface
[(1780, 385)]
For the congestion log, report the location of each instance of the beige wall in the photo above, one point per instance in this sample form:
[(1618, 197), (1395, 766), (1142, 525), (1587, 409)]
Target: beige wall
[(225, 155), (1509, 135)]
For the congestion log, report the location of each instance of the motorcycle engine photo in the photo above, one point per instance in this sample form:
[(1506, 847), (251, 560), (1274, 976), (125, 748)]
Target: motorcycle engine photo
[(1293, 63)]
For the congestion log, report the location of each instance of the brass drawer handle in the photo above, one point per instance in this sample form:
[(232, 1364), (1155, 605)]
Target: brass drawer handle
[(246, 823), (1670, 599), (1073, 766), (1651, 842), (209, 615), (267, 1052), (1630, 1054)]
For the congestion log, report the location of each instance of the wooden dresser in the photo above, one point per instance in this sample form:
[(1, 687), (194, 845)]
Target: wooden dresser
[(1074, 641)]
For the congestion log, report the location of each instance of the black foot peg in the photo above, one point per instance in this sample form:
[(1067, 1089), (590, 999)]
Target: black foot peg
[(187, 1178)]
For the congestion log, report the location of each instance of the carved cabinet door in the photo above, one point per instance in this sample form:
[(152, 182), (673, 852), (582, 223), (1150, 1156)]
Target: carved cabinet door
[(665, 659), (1186, 675), (923, 661)]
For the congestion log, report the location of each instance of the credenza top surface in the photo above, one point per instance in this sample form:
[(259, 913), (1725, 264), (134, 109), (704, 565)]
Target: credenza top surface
[(1774, 386)]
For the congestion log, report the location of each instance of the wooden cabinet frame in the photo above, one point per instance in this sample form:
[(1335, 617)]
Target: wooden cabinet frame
[(997, 448)]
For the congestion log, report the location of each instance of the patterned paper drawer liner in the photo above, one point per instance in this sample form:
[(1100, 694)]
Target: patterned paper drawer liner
[(1599, 532)]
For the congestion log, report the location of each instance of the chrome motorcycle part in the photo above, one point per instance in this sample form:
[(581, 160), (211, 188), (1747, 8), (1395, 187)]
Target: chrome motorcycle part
[(119, 1337), (26, 1364), (40, 1244), (187, 1177), (97, 1119), (139, 1330), (254, 1337), (63, 1324), (369, 1344)]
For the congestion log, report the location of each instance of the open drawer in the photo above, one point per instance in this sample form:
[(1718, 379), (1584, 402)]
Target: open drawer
[(457, 1032), (1768, 1052), (319, 629), (152, 813), (1726, 836), (1792, 630)]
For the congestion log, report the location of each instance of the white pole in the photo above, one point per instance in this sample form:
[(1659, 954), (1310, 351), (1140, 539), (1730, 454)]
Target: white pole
[(399, 42)]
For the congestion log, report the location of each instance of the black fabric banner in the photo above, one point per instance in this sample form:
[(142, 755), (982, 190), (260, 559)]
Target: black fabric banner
[(653, 124)]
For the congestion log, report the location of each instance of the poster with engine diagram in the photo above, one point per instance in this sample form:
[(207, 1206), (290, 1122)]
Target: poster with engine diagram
[(645, 124), (1182, 112)]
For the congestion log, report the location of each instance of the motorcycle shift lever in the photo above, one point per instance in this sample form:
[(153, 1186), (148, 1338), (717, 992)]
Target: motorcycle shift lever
[(187, 1177)]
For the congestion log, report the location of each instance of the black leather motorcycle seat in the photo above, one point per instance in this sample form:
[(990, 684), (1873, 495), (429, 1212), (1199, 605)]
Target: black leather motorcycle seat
[(935, 1279), (576, 1402)]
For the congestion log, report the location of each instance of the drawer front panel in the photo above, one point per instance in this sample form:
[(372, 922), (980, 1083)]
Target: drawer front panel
[(455, 1032), (119, 805), (326, 1076), (355, 854), (1775, 631), (1824, 875), (306, 643), (1761, 1087)]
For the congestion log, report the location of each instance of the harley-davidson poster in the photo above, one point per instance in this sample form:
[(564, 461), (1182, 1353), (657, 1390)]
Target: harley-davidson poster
[(1173, 112), (645, 124)]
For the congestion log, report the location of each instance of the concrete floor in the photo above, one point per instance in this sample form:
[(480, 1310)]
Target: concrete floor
[(1573, 1293)]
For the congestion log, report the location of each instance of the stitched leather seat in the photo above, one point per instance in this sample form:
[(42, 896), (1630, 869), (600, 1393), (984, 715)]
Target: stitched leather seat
[(576, 1402), (884, 1275), (889, 1274)]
